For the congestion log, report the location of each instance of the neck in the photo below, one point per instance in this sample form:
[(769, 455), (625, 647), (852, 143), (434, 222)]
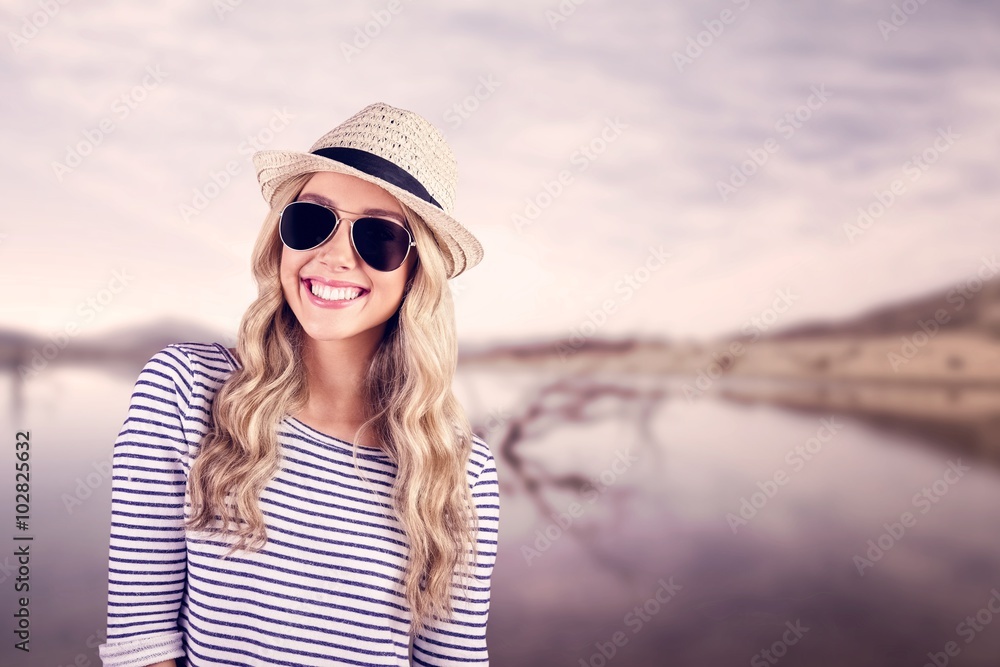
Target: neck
[(335, 373)]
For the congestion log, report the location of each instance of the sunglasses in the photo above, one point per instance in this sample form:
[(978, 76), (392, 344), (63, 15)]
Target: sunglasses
[(383, 244)]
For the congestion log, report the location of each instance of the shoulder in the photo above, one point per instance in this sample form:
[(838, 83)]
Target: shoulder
[(484, 481), (480, 460), (202, 361), (196, 369)]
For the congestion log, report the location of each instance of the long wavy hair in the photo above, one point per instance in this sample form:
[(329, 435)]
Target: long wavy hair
[(412, 411)]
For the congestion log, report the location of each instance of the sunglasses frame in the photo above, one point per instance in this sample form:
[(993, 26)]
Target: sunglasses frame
[(336, 225)]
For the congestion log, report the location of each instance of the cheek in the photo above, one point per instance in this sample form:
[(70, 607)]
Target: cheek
[(288, 271), (391, 285)]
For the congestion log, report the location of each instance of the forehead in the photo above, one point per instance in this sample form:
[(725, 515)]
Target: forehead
[(349, 193)]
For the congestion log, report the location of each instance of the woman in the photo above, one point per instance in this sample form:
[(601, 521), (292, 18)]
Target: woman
[(316, 496)]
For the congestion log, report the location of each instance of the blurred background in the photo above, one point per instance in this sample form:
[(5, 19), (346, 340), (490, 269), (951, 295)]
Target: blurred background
[(735, 342)]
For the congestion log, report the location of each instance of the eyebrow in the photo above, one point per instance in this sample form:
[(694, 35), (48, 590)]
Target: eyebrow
[(320, 199)]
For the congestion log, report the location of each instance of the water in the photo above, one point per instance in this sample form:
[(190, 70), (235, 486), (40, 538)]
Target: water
[(657, 486), (814, 490)]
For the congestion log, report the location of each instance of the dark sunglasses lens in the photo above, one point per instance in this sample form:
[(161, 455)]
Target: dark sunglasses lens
[(381, 243), (305, 225)]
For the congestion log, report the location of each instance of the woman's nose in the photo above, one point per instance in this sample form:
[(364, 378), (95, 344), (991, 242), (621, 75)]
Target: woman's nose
[(338, 248)]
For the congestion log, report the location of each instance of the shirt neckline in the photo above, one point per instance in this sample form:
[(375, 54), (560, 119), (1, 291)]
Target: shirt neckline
[(327, 439), (324, 438)]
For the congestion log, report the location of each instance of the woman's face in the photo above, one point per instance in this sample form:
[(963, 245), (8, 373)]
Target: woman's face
[(363, 318)]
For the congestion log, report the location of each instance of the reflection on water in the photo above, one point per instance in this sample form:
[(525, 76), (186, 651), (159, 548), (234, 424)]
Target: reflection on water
[(638, 528), (761, 515)]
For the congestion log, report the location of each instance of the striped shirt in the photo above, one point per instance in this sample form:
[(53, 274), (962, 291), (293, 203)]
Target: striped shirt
[(325, 589)]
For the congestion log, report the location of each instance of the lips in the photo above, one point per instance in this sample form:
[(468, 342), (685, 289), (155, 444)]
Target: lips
[(334, 285), (334, 292), (308, 280)]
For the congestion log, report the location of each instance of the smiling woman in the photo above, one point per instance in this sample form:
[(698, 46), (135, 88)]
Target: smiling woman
[(337, 268), (244, 529)]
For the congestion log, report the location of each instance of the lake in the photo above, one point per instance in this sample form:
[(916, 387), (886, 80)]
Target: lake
[(637, 528)]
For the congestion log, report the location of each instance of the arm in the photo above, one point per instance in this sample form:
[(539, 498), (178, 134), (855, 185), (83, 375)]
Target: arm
[(147, 567), (461, 640)]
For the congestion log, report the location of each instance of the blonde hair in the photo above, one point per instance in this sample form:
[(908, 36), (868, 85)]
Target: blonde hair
[(408, 389)]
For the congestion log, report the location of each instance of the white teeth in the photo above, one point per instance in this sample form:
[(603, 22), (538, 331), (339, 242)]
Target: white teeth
[(334, 293)]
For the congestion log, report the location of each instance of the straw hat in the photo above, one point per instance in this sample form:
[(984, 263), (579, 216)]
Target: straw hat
[(400, 152)]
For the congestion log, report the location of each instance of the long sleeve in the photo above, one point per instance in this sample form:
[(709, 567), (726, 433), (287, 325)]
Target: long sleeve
[(461, 640), (147, 555)]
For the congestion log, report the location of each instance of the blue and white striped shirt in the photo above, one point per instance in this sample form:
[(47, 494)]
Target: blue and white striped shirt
[(325, 590)]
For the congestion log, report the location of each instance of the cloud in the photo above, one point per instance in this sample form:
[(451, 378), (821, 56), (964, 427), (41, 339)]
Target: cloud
[(555, 87)]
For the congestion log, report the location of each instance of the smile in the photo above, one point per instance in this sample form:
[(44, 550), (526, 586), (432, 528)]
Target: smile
[(328, 293), (324, 295)]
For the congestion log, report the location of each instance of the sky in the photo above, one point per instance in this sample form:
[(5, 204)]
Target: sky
[(636, 168)]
